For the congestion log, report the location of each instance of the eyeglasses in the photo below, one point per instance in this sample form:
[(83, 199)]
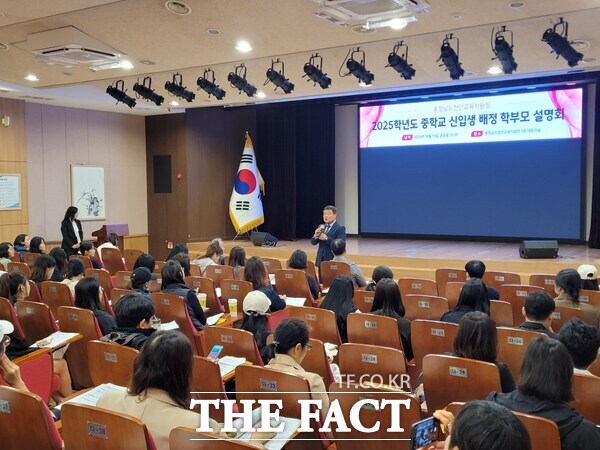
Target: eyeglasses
[(309, 346)]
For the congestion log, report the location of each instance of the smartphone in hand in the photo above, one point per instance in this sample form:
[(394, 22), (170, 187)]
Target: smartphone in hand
[(215, 352), (424, 432)]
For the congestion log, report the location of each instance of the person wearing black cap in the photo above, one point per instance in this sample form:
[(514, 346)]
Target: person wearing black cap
[(140, 279)]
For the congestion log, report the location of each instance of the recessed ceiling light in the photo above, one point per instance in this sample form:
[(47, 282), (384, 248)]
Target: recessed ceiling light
[(589, 60), (361, 29), (68, 74), (213, 31), (179, 8), (260, 94), (516, 4), (174, 103), (494, 70), (397, 24), (146, 62), (31, 77), (456, 17), (126, 64), (580, 45), (243, 46)]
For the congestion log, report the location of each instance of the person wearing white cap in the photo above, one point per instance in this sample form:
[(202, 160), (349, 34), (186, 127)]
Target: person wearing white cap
[(9, 371), (256, 307), (589, 277)]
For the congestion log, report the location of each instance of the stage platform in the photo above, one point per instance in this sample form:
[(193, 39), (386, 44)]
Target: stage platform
[(420, 258)]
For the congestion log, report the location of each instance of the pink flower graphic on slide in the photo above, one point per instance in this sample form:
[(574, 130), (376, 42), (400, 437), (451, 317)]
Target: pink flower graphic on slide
[(369, 116), (570, 101)]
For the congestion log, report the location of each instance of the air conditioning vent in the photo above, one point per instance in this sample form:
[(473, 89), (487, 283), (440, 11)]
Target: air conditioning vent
[(371, 10)]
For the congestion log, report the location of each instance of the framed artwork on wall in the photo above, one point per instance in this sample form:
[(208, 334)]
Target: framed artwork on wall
[(87, 192), (10, 191)]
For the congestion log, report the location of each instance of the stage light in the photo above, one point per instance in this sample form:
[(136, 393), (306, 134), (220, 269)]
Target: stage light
[(313, 70), (118, 93), (147, 93), (449, 58), (560, 44), (503, 50), (278, 77), (238, 80), (176, 88), (209, 86), (358, 69), (399, 62)]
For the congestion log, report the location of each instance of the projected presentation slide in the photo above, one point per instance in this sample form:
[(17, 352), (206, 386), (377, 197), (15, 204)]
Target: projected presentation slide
[(506, 166)]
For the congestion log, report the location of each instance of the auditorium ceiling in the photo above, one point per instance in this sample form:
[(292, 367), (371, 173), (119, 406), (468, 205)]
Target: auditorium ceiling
[(158, 43)]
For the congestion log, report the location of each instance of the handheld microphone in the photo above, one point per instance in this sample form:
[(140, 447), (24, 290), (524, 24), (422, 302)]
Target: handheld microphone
[(323, 226)]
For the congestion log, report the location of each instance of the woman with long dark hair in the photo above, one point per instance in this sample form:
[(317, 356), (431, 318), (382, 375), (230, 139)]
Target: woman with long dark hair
[(256, 273), (173, 283), (339, 300), (211, 257), (87, 296), (388, 302), (72, 232), (177, 248), (473, 297), (299, 261), (60, 269), (567, 286), (42, 269), (237, 260), (37, 245), (7, 251), (256, 308), (75, 272)]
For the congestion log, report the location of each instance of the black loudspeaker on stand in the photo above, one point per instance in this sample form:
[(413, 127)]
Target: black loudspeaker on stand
[(262, 239), (538, 249)]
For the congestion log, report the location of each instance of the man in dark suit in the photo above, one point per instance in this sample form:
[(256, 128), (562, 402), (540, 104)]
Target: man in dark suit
[(326, 233)]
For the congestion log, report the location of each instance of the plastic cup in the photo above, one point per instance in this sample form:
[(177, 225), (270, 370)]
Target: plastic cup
[(233, 307), (201, 299)]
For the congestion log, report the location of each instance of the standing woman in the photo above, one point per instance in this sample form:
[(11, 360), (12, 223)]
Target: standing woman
[(72, 233)]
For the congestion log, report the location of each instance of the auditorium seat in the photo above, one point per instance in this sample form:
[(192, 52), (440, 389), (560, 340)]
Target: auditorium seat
[(273, 319), (322, 323), (331, 269), (110, 363), (426, 307), (195, 270), (448, 379), (155, 285), (218, 273), (590, 297), (181, 439), (7, 312), (158, 265), (207, 384), (496, 279), (311, 269), (453, 293), (112, 260), (417, 286), (545, 281), (293, 283), (36, 319), (595, 367), (103, 278), (512, 345), (563, 314), (116, 294), (88, 427), (86, 260), (106, 302), (380, 365), (123, 279), (271, 264), (19, 267), (56, 294), (586, 390), (29, 258), (515, 294), (235, 342), (316, 361), (372, 329), (26, 423), (444, 276), (237, 289), (37, 372), (206, 286), (348, 394), (363, 300), (502, 314), (131, 255), (431, 337), (34, 293)]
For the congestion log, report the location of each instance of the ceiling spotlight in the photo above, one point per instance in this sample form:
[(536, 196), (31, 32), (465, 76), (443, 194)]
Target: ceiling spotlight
[(560, 44), (313, 70), (176, 88), (147, 93), (450, 58), (31, 77), (117, 91), (238, 80), (277, 77), (358, 69), (400, 61), (243, 46), (503, 50), (209, 86)]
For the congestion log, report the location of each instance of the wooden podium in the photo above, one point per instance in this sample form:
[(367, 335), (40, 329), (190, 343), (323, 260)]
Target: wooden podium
[(120, 229)]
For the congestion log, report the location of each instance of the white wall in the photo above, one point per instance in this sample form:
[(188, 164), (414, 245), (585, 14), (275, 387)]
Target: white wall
[(58, 137), (346, 166)]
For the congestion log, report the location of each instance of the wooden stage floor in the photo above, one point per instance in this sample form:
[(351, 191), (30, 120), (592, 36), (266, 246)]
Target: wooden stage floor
[(420, 258)]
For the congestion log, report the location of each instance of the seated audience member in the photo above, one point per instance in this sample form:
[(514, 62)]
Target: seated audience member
[(537, 311), (211, 257), (21, 244), (483, 425), (87, 296), (37, 245), (477, 338), (42, 269), (338, 247), (60, 269), (159, 391), (219, 243), (133, 314), (589, 277), (379, 273), (9, 371), (299, 261), (112, 241), (567, 285), (14, 286), (583, 341), (256, 273), (288, 350), (7, 251), (256, 308), (339, 300), (473, 297), (177, 248), (476, 269), (173, 283), (75, 272), (140, 278), (87, 249), (237, 260), (145, 260), (545, 388), (388, 302), (183, 259)]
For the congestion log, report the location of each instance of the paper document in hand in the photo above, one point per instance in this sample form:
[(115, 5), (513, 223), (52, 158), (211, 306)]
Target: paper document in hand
[(91, 397), (212, 320), (55, 340), (218, 291), (295, 301), (172, 325), (229, 363), (276, 442), (272, 278)]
